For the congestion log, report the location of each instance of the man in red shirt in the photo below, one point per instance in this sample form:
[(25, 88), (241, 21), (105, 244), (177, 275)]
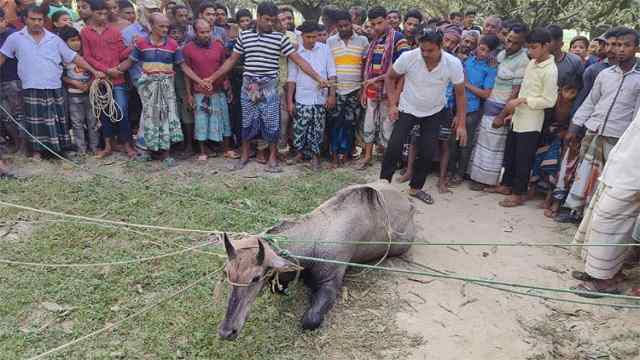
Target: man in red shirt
[(104, 49), (204, 57)]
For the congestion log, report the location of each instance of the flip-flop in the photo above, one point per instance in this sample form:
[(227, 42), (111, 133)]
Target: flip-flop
[(594, 293), (274, 169), (239, 165), (363, 166), (581, 276), (202, 158), (231, 155), (510, 203), (423, 196), (474, 186), (169, 162)]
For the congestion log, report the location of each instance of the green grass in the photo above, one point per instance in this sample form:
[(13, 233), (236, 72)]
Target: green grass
[(361, 326)]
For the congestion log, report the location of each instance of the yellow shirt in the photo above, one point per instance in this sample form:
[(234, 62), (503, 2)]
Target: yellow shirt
[(540, 88)]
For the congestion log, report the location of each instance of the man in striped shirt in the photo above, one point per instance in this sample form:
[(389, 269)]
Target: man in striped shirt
[(349, 51), (261, 49)]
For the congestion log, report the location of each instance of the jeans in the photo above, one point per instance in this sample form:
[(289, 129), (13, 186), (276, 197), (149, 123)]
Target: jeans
[(121, 96), (429, 130)]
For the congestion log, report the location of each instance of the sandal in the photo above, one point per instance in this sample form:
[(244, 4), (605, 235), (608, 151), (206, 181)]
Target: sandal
[(423, 196), (581, 276), (169, 162), (273, 168), (590, 290), (475, 186), (363, 165), (508, 203), (239, 165), (202, 158)]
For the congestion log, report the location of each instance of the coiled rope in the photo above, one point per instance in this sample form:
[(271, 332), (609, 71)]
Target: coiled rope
[(102, 101)]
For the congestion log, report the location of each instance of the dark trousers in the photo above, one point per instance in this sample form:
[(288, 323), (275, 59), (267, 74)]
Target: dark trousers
[(429, 129), (519, 154)]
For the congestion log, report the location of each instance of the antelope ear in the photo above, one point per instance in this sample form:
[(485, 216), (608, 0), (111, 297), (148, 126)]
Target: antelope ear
[(280, 264), (231, 252), (260, 255)]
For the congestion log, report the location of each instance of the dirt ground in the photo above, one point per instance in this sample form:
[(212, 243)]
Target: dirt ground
[(466, 321), (459, 321)]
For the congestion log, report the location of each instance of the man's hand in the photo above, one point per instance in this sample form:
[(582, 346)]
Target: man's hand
[(513, 104), (114, 73), (461, 135), (394, 114), (571, 137), (99, 75), (229, 96), (331, 102), (498, 122), (190, 102), (363, 99), (207, 85), (323, 84), (291, 108)]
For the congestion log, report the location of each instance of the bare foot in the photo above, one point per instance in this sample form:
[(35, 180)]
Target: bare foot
[(443, 187), (501, 189), (104, 154), (405, 177), (512, 201), (37, 156)]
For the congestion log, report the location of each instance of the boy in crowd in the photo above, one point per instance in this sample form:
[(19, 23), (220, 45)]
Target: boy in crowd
[(480, 77), (84, 12), (114, 15), (539, 91), (311, 102), (60, 19), (78, 81), (204, 56), (393, 19), (385, 48), (104, 48), (10, 89), (127, 11)]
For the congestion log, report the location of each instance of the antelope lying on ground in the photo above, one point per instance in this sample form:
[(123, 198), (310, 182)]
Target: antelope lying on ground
[(362, 213)]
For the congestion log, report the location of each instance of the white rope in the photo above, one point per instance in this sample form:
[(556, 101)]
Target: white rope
[(102, 101), (120, 322), (123, 262), (121, 223)]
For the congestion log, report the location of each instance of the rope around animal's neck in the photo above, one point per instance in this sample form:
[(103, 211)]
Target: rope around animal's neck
[(103, 102)]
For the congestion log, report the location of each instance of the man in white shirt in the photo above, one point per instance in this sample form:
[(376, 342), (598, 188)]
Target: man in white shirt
[(311, 101), (611, 216), (427, 71)]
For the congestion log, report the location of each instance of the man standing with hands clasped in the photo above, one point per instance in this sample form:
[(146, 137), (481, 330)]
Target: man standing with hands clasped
[(427, 71)]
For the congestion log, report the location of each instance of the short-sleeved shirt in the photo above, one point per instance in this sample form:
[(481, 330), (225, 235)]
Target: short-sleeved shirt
[(204, 61), (157, 59), (510, 73), (262, 51), (479, 74), (321, 60), (570, 68), (104, 50), (74, 72), (129, 34), (47, 57), (349, 58), (9, 70), (424, 91)]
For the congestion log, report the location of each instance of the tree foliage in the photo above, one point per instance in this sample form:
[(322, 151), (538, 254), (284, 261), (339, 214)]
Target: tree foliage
[(582, 15)]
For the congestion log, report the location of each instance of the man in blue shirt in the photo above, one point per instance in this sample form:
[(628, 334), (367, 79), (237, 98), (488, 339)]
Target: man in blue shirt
[(480, 77)]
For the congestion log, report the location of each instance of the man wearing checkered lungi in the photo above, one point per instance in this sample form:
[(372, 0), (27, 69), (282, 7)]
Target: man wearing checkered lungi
[(40, 56)]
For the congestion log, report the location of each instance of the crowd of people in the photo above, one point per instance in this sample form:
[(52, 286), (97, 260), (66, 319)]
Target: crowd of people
[(502, 107)]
